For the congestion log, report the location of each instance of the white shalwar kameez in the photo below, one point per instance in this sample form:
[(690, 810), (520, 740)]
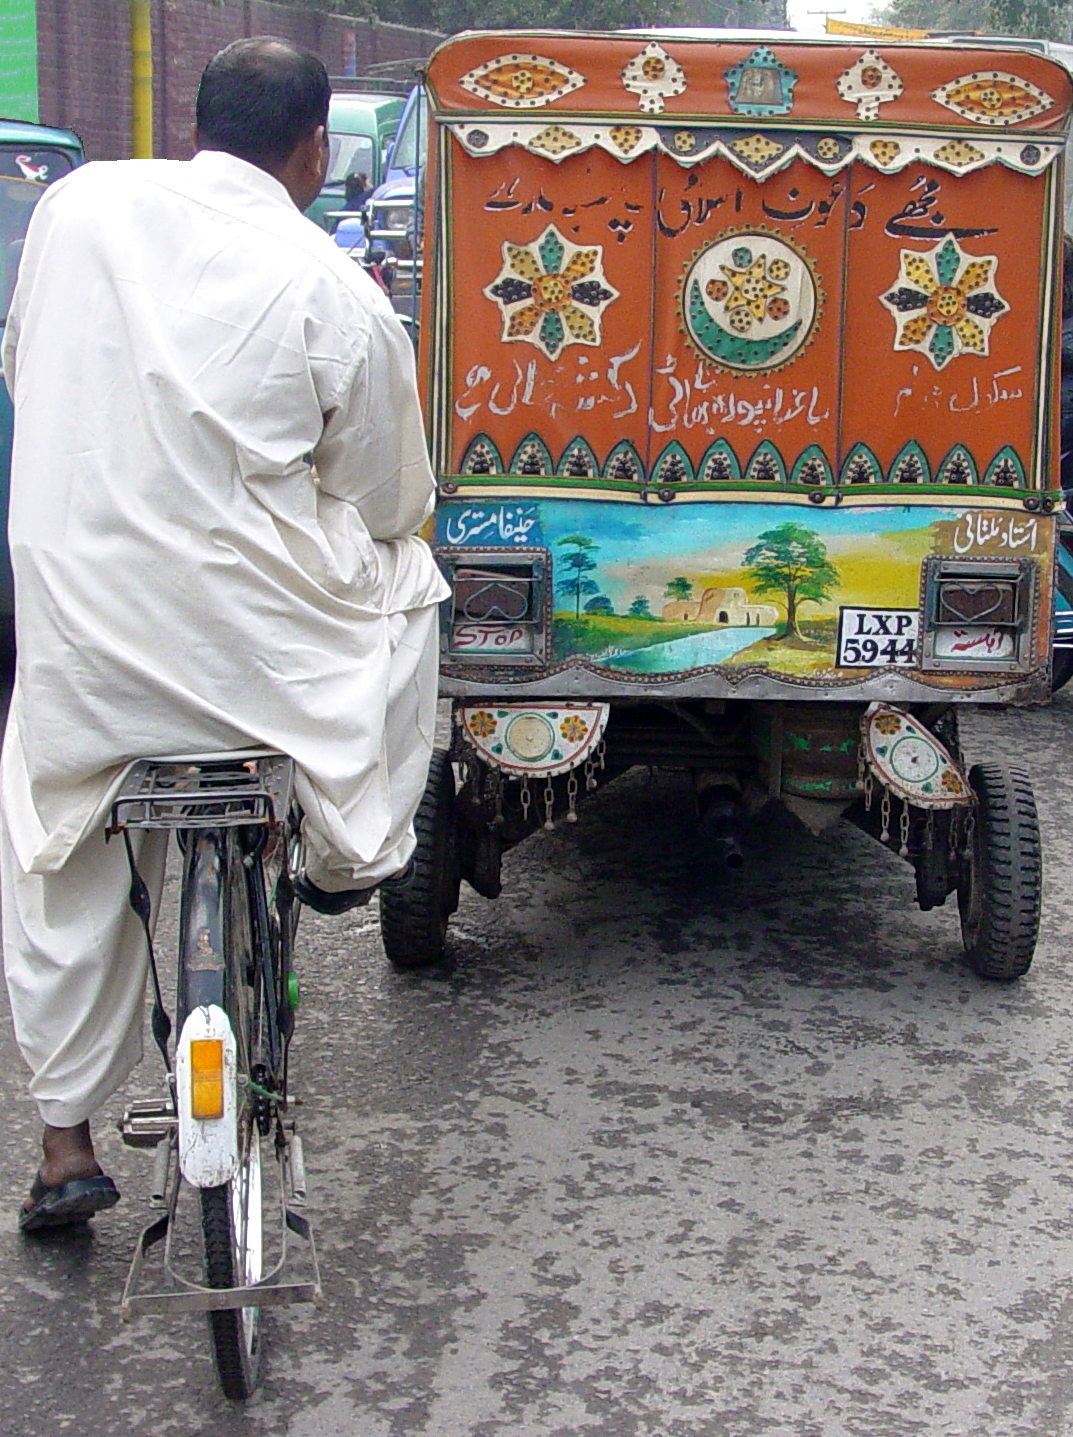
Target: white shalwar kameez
[(184, 349)]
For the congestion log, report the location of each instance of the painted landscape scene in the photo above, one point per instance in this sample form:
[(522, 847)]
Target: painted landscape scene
[(690, 586), (769, 597)]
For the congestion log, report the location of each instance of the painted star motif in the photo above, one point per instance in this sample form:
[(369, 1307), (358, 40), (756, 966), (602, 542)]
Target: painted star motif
[(945, 303), (552, 293), (751, 288)]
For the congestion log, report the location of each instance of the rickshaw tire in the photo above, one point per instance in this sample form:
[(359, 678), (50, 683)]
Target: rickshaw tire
[(1061, 669), (414, 916), (1005, 870)]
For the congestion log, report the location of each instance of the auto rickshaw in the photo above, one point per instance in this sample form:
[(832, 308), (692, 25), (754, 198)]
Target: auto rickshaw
[(740, 367)]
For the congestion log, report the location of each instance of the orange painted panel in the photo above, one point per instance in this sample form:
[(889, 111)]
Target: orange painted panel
[(990, 225), (746, 243), (509, 390), (694, 81)]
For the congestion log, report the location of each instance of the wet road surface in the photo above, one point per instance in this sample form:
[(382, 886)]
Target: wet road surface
[(668, 1152)]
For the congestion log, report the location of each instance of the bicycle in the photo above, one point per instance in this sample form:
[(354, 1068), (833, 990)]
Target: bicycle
[(238, 828)]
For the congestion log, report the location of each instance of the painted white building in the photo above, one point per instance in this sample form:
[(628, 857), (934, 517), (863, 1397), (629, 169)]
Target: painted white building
[(730, 606)]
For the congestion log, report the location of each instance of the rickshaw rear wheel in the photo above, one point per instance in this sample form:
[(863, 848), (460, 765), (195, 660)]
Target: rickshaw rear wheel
[(414, 916), (1061, 669), (1000, 889)]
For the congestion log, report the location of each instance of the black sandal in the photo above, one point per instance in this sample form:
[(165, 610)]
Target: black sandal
[(67, 1203), (321, 901)]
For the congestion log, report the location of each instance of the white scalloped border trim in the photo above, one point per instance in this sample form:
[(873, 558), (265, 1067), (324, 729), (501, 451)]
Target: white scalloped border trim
[(885, 152)]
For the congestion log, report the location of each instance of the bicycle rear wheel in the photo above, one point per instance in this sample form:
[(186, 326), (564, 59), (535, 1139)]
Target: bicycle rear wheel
[(224, 943), (232, 1232)]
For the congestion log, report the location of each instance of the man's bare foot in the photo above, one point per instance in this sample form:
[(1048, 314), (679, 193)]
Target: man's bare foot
[(69, 1156)]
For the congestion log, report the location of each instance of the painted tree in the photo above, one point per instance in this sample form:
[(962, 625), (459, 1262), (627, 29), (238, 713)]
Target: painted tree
[(791, 560), (600, 605), (679, 589), (580, 563), (639, 609)]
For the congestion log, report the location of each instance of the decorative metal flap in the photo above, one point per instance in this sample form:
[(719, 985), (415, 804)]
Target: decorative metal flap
[(909, 761), (534, 740)]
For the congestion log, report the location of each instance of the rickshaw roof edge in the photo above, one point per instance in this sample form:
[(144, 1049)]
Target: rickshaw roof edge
[(743, 77)]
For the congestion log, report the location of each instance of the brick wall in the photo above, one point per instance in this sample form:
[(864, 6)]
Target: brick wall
[(84, 60), (83, 69)]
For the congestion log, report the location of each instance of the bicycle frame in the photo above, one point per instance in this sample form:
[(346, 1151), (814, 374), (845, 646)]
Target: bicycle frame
[(231, 813)]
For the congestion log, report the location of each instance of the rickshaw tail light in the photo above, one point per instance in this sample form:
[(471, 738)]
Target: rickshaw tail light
[(207, 1078), (498, 606), (500, 594), (975, 601)]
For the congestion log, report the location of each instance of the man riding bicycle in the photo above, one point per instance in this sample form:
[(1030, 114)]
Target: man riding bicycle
[(219, 472)]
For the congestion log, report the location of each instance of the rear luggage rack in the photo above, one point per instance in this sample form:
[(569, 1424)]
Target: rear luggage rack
[(232, 791)]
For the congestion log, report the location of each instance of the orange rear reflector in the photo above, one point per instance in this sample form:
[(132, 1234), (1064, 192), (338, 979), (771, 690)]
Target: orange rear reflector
[(207, 1078)]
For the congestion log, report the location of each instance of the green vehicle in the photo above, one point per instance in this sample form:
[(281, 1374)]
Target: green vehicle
[(361, 127), (31, 158)]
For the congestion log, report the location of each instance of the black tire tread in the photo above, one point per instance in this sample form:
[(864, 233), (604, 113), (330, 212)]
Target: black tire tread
[(413, 919), (1012, 873), (236, 1368), (1061, 668), (237, 1374)]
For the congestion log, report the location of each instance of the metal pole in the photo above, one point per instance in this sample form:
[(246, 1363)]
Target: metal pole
[(141, 79), (418, 212)]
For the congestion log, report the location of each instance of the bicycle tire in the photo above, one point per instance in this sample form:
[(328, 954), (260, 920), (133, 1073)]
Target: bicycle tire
[(217, 898), (235, 1334)]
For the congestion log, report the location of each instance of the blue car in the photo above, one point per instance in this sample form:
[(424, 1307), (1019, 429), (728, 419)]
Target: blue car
[(31, 158), (393, 224)]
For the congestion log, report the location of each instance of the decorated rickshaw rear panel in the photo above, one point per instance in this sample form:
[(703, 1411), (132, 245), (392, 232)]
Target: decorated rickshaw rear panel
[(739, 365)]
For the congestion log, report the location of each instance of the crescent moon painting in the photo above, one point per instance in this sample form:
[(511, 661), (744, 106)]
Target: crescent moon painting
[(750, 301)]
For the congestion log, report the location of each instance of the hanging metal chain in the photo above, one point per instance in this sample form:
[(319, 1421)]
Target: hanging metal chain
[(601, 752), (590, 774), (526, 800), (549, 806), (869, 791), (571, 798), (884, 813), (903, 847)]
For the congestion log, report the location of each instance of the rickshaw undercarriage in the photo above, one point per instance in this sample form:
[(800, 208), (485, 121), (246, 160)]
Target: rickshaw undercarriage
[(971, 833)]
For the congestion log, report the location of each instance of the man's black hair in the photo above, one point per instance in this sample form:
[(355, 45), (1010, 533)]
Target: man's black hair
[(258, 98)]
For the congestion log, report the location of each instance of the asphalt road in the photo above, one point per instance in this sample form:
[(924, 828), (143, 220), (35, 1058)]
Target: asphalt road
[(667, 1154)]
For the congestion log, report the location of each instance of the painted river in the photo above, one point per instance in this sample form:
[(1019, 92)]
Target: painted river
[(696, 651)]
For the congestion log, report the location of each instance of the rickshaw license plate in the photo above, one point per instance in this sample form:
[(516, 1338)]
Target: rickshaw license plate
[(875, 638)]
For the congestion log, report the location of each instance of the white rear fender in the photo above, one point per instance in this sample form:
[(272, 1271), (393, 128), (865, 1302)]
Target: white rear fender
[(208, 1146)]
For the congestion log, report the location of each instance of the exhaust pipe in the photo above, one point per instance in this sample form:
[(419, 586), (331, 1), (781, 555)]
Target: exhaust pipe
[(722, 819)]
